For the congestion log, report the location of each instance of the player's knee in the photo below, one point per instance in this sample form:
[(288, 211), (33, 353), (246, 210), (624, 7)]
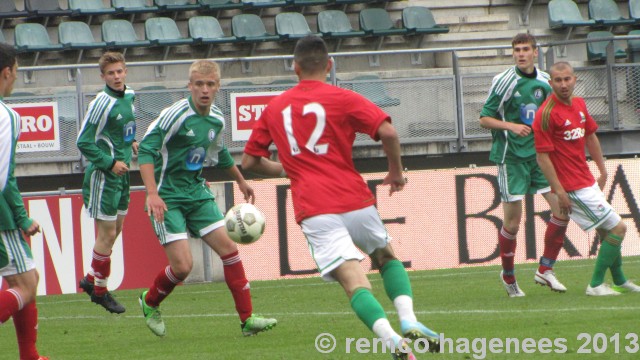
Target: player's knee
[(619, 230), (182, 269)]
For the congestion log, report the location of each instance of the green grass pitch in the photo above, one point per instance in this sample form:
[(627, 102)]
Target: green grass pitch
[(467, 305)]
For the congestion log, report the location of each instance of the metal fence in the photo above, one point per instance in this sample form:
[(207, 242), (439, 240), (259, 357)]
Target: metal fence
[(438, 108)]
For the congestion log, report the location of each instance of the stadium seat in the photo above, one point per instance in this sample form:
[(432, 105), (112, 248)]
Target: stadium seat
[(163, 31), (565, 14), (310, 2), (607, 13), (219, 4), (372, 87), (634, 10), (77, 35), (250, 28), (207, 30), (45, 8), (90, 7), (633, 48), (120, 34), (292, 25), (597, 50), (377, 22), (2, 36), (419, 20), (261, 4), (8, 11), (33, 37), (133, 6), (175, 5), (336, 24)]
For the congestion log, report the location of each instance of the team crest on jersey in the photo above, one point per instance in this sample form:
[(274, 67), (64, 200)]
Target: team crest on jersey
[(601, 208), (212, 134), (195, 159), (538, 94), (528, 113), (582, 117)]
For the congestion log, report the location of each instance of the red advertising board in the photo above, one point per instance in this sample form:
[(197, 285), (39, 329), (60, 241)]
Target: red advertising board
[(246, 109), (40, 130)]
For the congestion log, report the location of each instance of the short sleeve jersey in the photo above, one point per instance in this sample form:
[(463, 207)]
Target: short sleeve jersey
[(108, 128), (177, 143), (314, 125), (12, 212), (515, 97), (560, 130)]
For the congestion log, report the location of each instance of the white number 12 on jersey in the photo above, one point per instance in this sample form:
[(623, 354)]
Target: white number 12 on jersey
[(312, 143)]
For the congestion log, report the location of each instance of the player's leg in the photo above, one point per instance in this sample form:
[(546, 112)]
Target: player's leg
[(553, 241), (18, 301), (208, 221)]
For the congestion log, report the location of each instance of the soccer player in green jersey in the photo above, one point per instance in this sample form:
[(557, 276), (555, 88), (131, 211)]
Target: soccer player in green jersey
[(107, 140), (514, 97), (172, 154), (16, 261)]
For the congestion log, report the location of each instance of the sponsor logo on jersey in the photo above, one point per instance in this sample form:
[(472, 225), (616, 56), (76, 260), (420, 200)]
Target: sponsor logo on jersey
[(582, 118), (212, 134), (190, 133), (195, 159), (129, 131), (567, 123), (538, 94), (528, 113)]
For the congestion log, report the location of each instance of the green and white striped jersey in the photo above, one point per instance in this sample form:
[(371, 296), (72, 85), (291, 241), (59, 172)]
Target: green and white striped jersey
[(515, 97), (178, 143), (108, 129), (12, 212)]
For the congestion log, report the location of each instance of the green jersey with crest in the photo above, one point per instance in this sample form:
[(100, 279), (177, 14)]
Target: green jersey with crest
[(108, 128), (179, 143), (515, 97)]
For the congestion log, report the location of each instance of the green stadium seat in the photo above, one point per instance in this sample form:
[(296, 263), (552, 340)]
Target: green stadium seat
[(607, 13), (164, 31), (133, 6), (119, 33), (377, 22), (310, 2), (175, 5), (633, 48), (77, 35), (336, 24), (250, 28), (419, 20), (634, 10), (207, 30), (565, 13), (261, 4), (372, 87), (33, 37), (90, 7), (219, 4), (597, 50), (45, 8), (8, 10), (292, 25)]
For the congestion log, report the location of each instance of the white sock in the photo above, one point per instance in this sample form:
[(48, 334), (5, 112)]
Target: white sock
[(383, 330), (404, 306)]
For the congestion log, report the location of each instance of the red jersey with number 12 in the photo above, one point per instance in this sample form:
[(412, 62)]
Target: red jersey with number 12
[(314, 125), (560, 130)]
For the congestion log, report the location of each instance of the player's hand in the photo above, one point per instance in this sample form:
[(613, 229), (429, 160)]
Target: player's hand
[(602, 180), (33, 229), (564, 203), (396, 182), (520, 130), (156, 207), (134, 147), (119, 168), (247, 191)]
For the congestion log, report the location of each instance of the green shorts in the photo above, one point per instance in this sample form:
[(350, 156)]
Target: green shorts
[(15, 254), (105, 194), (517, 180), (197, 217)]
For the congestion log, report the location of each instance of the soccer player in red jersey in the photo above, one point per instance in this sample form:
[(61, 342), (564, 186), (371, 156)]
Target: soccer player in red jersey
[(314, 125), (562, 127), (16, 261)]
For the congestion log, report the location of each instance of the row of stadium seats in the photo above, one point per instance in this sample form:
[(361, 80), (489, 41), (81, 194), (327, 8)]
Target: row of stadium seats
[(246, 28), (602, 13)]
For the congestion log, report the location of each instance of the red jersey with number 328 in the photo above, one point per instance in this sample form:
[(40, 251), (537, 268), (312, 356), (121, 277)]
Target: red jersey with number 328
[(314, 125), (560, 130)]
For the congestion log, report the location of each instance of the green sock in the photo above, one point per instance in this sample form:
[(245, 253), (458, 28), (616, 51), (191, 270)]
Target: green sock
[(609, 251), (395, 279), (367, 307), (616, 271)]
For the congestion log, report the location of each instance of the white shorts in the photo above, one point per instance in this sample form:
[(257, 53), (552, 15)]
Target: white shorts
[(15, 254), (590, 210), (336, 238)]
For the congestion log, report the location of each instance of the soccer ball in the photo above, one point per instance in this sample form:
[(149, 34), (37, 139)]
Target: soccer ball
[(245, 223)]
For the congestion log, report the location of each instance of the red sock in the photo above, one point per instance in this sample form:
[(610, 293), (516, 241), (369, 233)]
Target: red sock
[(162, 286), (553, 241), (26, 323), (10, 303), (238, 284), (507, 243), (101, 265)]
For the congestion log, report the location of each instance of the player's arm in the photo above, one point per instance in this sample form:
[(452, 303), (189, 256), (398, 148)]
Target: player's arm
[(86, 141), (595, 151), (488, 122), (391, 145), (490, 117), (544, 161), (149, 147), (8, 184), (263, 166)]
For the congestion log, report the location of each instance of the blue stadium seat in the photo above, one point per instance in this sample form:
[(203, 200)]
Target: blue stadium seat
[(607, 13), (119, 34), (292, 25), (133, 6)]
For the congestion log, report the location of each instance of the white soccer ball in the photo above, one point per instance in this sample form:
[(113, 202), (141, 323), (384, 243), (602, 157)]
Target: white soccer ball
[(245, 223)]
